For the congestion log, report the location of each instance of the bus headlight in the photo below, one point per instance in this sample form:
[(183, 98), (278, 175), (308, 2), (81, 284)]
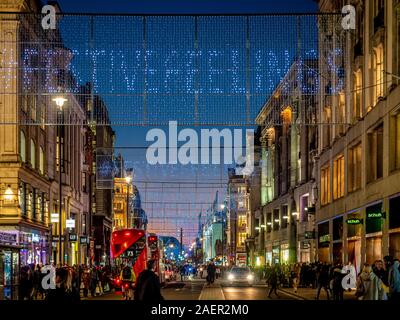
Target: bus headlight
[(231, 276), (250, 277)]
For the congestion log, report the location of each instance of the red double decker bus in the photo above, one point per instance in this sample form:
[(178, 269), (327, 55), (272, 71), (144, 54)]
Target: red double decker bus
[(129, 246), (134, 247)]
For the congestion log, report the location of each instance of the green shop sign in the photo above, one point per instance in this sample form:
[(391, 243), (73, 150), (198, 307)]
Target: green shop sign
[(354, 221), (324, 238), (376, 215)]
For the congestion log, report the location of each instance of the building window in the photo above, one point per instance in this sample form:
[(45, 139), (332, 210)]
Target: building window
[(394, 213), (373, 224), (378, 74), (84, 223), (375, 154), (284, 217), (338, 177), (325, 185), (357, 95), (41, 160), (22, 198), (276, 220), (84, 182), (340, 114), (33, 154), (29, 205), (39, 208), (354, 173), (23, 146), (34, 205), (241, 239), (396, 141)]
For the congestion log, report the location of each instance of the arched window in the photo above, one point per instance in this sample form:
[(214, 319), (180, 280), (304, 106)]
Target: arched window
[(33, 154), (41, 160), (22, 146)]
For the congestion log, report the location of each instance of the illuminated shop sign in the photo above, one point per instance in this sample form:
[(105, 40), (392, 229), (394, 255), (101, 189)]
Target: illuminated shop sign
[(73, 237), (354, 221), (8, 237), (83, 240), (324, 238), (376, 215)]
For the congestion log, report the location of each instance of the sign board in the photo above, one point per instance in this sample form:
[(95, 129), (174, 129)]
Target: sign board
[(8, 237), (56, 238), (354, 221), (54, 218), (324, 238), (35, 238), (70, 223), (309, 235), (305, 245), (83, 240), (73, 237), (375, 215), (311, 210)]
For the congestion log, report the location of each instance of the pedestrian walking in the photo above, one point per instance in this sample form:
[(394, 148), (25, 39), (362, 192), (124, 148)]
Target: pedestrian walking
[(148, 285), (273, 281), (394, 280), (323, 280), (369, 286)]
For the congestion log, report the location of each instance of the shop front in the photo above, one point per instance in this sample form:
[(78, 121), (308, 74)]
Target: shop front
[(354, 232), (394, 226), (275, 254), (373, 231), (34, 246), (268, 254), (9, 266), (284, 253), (323, 242), (337, 240)]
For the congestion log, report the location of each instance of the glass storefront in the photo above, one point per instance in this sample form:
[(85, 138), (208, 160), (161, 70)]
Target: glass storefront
[(374, 222), (394, 226), (35, 247), (323, 242), (9, 272)]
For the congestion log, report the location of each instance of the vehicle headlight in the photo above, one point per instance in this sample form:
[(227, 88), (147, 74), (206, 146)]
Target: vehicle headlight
[(230, 276), (250, 277)]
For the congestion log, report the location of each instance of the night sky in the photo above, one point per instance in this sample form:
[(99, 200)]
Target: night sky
[(119, 80)]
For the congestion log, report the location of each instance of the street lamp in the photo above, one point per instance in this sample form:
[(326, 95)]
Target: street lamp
[(60, 103), (128, 180), (9, 194)]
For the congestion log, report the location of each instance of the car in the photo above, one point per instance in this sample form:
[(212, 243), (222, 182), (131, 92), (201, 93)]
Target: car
[(241, 275)]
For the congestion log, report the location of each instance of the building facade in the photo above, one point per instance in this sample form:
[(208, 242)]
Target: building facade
[(238, 194), (288, 147), (358, 151)]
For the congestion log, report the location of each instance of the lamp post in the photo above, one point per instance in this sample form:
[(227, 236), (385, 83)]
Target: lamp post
[(223, 235), (60, 103), (128, 180)]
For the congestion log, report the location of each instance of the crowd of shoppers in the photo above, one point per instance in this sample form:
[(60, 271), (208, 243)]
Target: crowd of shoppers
[(379, 281), (72, 282)]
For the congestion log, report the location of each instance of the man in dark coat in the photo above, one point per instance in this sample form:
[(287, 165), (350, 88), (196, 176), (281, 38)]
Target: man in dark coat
[(272, 280), (148, 285)]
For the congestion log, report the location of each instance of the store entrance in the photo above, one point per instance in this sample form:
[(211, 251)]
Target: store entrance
[(9, 273)]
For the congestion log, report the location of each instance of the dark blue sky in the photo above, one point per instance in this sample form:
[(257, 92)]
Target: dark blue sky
[(188, 6), (272, 34)]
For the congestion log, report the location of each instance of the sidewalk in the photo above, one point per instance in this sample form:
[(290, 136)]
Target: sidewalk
[(212, 292), (310, 294)]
